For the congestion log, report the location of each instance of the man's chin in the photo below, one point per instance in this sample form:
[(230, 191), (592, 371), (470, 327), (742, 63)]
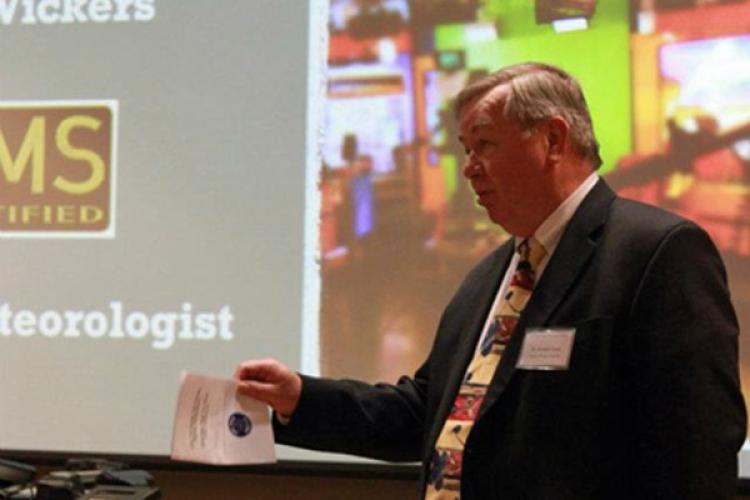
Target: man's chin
[(505, 223), (497, 218)]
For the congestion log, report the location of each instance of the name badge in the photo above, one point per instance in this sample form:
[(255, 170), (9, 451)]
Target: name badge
[(546, 349)]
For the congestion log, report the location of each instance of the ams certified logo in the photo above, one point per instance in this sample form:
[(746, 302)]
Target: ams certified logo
[(57, 169)]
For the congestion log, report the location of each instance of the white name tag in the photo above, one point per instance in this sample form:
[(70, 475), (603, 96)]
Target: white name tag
[(546, 349)]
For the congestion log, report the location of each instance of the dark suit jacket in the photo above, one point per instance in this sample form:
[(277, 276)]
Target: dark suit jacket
[(650, 406)]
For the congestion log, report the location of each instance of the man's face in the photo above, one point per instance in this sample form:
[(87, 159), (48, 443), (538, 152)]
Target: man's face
[(504, 164)]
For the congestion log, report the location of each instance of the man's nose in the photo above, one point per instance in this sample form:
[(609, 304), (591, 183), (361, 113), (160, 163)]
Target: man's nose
[(471, 166)]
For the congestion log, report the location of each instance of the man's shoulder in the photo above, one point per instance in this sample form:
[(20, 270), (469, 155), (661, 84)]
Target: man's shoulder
[(629, 217), (642, 231), (626, 207)]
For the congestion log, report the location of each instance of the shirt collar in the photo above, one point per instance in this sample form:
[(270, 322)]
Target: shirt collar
[(548, 234)]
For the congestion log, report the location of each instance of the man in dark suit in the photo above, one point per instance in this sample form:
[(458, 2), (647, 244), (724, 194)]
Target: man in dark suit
[(610, 357)]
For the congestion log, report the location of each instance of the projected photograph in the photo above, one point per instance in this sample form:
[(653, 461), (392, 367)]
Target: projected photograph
[(399, 226)]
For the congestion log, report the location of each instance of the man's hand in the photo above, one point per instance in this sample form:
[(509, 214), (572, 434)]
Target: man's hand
[(269, 381)]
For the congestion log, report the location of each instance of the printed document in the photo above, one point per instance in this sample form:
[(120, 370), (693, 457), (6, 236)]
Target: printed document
[(215, 425)]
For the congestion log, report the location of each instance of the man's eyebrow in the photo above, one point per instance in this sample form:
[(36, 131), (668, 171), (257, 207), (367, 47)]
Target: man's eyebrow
[(474, 128)]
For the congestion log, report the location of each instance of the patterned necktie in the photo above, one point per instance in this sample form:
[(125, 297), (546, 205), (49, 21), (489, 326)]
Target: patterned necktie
[(445, 469)]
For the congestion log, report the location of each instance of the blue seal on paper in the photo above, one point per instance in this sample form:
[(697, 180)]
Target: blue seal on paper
[(239, 424)]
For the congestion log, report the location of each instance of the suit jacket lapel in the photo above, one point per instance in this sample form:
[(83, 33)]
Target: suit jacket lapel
[(574, 251)]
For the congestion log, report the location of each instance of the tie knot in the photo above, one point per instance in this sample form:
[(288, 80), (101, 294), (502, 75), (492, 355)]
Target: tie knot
[(531, 251)]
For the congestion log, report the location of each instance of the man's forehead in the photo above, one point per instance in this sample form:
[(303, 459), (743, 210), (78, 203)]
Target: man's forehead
[(480, 111)]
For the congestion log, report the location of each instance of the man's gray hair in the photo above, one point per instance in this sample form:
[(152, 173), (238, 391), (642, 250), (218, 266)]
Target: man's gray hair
[(539, 92)]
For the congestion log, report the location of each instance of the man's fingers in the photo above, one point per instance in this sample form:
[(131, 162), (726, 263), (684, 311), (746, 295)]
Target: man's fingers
[(256, 370), (270, 382), (244, 372), (270, 394), (257, 390), (248, 389)]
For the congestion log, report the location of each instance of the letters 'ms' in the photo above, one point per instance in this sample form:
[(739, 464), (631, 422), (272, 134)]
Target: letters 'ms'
[(32, 150)]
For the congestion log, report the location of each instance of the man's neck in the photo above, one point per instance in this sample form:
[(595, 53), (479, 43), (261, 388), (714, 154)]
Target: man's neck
[(567, 179)]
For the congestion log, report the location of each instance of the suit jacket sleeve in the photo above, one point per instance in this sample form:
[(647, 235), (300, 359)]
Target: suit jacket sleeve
[(689, 413), (380, 421)]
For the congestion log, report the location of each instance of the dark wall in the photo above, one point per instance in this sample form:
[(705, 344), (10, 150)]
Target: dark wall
[(228, 486)]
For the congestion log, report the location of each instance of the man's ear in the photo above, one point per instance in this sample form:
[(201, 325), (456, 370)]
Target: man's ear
[(556, 134)]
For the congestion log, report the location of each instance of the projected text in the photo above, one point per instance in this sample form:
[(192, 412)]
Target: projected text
[(75, 11), (162, 328)]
